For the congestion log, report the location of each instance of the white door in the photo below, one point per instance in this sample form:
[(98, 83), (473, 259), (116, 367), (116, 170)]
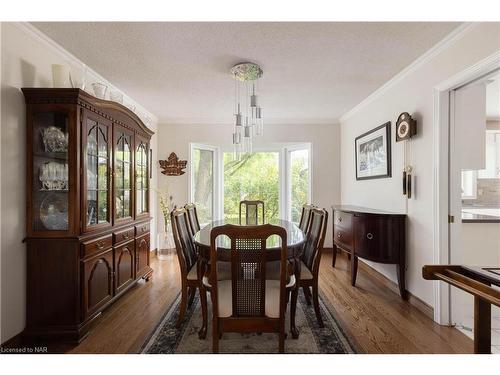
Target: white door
[(471, 243)]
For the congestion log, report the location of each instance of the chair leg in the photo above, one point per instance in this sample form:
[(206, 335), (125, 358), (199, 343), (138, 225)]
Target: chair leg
[(316, 304), (202, 333), (191, 294), (307, 294), (282, 336), (182, 309), (215, 336)]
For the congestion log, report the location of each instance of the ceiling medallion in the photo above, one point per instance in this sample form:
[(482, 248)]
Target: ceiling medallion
[(247, 112), (246, 71)]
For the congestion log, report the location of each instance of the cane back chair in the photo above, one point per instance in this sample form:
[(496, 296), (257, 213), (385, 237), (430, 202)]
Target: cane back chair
[(251, 212), (188, 262), (305, 216), (311, 257), (248, 302), (194, 223)]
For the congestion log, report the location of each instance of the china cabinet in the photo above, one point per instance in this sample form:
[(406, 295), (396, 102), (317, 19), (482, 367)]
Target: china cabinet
[(88, 173)]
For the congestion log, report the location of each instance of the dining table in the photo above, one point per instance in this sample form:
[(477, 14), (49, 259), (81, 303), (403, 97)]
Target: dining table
[(295, 240)]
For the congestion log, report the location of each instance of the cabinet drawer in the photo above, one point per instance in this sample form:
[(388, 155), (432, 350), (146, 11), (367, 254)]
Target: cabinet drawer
[(97, 245), (342, 219), (123, 235), (377, 238), (141, 229), (342, 237)]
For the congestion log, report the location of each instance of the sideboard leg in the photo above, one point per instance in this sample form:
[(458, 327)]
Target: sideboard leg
[(334, 255), (482, 326), (354, 269), (401, 281)]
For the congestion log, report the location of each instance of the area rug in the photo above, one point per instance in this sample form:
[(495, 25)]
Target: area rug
[(167, 339)]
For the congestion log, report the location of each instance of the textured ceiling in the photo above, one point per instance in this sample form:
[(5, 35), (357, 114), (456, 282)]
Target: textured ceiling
[(313, 72)]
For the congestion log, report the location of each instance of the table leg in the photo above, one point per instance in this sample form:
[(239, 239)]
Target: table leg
[(293, 302), (482, 326), (201, 269)]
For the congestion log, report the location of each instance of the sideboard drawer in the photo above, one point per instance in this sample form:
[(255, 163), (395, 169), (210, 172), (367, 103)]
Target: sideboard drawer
[(97, 245), (123, 235), (141, 229), (342, 237), (377, 238), (342, 219)]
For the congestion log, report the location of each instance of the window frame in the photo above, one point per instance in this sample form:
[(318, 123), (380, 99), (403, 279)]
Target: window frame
[(288, 175), (216, 167), (285, 188)]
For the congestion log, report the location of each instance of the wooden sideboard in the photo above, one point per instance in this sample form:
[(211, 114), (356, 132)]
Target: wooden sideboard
[(370, 234), (87, 206)]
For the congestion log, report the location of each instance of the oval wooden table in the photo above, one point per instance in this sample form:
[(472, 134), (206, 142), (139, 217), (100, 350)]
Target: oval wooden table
[(295, 239)]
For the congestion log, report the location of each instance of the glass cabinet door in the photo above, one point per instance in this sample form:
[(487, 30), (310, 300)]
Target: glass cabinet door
[(97, 152), (50, 179), (142, 176), (123, 151)]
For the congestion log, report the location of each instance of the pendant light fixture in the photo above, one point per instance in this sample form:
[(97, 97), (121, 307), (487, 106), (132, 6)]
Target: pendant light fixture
[(247, 112)]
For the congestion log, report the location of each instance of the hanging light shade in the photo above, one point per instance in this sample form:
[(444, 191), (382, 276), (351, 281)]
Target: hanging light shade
[(244, 74)]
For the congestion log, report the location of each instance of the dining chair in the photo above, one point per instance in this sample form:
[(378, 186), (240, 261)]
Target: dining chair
[(252, 212), (311, 257), (248, 301), (188, 261), (194, 223), (305, 216)]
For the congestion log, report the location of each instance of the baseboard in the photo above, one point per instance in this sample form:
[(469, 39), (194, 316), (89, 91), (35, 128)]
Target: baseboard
[(416, 302)]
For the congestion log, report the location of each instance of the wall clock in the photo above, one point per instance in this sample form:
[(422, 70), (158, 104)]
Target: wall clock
[(406, 127)]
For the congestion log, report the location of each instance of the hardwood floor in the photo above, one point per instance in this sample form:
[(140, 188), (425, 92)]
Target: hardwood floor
[(378, 320), (375, 317)]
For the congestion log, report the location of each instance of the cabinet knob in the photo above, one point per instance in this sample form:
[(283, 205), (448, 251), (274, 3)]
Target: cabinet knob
[(100, 245), (339, 219), (369, 236), (125, 236), (339, 235)]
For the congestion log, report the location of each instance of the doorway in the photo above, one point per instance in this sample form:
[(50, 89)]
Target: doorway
[(474, 190)]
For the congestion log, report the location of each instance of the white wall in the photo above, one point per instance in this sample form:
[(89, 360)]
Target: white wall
[(325, 155), (26, 62), (412, 93)]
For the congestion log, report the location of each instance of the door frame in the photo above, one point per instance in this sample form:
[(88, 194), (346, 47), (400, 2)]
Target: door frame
[(441, 196)]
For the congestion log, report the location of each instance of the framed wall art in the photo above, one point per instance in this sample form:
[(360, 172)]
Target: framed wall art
[(373, 153)]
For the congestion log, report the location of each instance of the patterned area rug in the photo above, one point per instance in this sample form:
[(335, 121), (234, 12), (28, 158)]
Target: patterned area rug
[(167, 339)]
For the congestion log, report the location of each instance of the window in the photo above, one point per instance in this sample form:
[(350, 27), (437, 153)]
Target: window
[(299, 192), (279, 176), (254, 177), (203, 172)]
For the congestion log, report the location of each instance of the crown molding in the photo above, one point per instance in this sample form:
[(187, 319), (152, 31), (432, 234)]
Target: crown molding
[(38, 35), (442, 45)]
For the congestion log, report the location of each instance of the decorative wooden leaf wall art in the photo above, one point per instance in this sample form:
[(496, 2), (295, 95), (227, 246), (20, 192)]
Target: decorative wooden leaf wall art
[(173, 166)]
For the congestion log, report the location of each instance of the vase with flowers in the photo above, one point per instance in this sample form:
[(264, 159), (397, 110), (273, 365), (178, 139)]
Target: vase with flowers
[(166, 241)]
